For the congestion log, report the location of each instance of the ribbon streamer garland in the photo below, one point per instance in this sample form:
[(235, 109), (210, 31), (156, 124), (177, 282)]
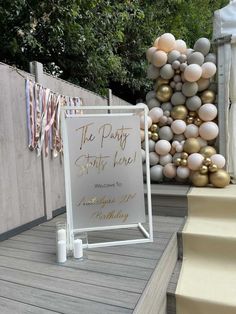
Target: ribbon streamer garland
[(43, 117)]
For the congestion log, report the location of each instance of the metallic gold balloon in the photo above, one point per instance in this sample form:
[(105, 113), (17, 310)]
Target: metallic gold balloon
[(177, 161), (207, 151), (208, 96), (192, 113), (207, 161), (154, 137), (197, 121), (213, 168), (177, 71), (179, 112), (220, 178), (160, 81), (191, 145), (164, 93), (183, 162), (184, 155), (154, 128), (199, 179), (149, 134), (190, 120), (203, 169)]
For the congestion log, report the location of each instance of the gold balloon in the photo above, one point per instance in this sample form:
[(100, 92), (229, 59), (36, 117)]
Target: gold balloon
[(183, 162), (220, 178), (192, 113), (199, 179), (213, 168), (203, 169), (164, 93), (177, 161), (184, 155), (207, 151), (179, 112), (160, 81), (154, 137), (207, 161), (149, 134), (191, 145), (208, 96), (197, 121), (189, 120), (154, 128)]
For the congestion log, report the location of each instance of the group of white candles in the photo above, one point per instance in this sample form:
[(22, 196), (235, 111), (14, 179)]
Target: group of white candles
[(61, 247)]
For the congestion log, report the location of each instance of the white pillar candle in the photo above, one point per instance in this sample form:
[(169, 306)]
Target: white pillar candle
[(78, 248), (61, 235), (61, 251)]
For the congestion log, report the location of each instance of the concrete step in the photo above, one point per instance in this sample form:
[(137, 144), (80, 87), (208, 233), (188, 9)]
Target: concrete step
[(169, 199)]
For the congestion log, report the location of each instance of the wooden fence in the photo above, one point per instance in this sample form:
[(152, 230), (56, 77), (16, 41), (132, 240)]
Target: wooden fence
[(31, 187)]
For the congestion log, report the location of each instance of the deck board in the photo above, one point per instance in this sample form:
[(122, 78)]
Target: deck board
[(111, 280)]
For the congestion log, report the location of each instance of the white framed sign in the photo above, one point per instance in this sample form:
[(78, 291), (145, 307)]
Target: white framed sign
[(103, 171)]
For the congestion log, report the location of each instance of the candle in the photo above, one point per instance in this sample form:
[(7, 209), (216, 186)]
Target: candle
[(61, 235), (78, 248), (61, 251)]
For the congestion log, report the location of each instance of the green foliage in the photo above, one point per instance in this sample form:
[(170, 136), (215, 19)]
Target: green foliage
[(98, 43)]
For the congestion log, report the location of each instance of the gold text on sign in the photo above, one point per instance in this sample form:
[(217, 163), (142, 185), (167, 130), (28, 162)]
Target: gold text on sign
[(119, 135)]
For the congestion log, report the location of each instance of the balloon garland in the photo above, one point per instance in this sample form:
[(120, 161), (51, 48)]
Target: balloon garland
[(182, 113)]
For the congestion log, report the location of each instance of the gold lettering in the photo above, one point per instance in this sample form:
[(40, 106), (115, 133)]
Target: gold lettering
[(111, 215), (123, 160), (84, 135), (87, 162), (119, 135)]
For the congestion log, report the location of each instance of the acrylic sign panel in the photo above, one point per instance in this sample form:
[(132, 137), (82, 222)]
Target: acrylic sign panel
[(105, 170)]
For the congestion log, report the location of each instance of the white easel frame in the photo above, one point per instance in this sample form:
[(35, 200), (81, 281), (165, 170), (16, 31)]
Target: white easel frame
[(69, 111)]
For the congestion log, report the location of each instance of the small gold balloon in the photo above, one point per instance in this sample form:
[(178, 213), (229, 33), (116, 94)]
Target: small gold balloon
[(203, 169), (207, 151), (154, 128), (149, 134), (208, 96), (164, 93), (190, 120), (177, 71), (213, 168), (197, 121), (220, 178), (184, 155), (177, 161), (154, 137), (183, 162), (191, 145), (199, 179), (192, 113), (160, 81), (207, 161), (179, 112)]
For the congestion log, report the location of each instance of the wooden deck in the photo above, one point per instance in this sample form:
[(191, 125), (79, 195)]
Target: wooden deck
[(121, 279)]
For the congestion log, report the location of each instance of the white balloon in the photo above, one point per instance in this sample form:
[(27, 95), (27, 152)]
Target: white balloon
[(178, 126), (207, 112), (155, 114), (218, 160), (169, 170), (142, 122), (156, 173), (195, 161), (183, 172), (162, 147), (153, 158), (208, 130), (165, 159)]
